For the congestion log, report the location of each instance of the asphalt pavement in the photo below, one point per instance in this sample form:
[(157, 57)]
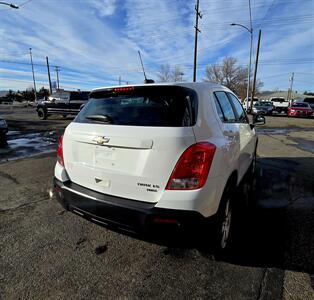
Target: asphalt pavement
[(48, 253)]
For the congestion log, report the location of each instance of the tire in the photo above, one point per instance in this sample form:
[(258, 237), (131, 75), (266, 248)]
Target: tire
[(3, 140), (222, 226), (42, 115)]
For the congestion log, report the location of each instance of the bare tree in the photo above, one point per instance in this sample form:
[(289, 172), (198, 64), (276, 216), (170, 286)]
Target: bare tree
[(177, 74), (167, 74), (164, 75), (232, 76)]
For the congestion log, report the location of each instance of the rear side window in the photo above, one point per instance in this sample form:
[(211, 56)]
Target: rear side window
[(238, 109), (164, 106), (219, 111), (79, 96), (225, 106)]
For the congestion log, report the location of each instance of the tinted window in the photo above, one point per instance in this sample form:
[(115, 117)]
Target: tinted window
[(300, 105), (79, 96), (167, 106), (226, 107), (309, 100), (278, 100), (219, 111), (238, 108)]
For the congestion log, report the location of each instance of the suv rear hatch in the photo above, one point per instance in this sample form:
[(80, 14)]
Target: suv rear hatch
[(126, 140)]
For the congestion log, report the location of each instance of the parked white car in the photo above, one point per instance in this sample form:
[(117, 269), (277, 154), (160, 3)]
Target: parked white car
[(157, 155), (246, 105)]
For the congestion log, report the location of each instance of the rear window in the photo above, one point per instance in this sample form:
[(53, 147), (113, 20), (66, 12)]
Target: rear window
[(299, 105), (278, 100), (309, 100), (165, 106)]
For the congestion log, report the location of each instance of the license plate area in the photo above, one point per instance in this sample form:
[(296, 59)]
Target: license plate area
[(105, 157)]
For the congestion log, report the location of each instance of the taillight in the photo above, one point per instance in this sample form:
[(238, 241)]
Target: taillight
[(60, 152), (192, 168)]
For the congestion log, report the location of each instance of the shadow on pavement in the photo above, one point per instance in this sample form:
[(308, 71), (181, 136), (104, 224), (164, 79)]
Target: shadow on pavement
[(276, 230)]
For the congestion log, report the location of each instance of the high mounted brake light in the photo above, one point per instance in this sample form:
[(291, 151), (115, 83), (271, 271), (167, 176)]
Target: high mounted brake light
[(123, 89), (60, 159), (192, 168)]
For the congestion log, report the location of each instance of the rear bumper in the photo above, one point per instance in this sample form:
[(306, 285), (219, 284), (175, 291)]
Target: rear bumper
[(299, 114), (124, 214)]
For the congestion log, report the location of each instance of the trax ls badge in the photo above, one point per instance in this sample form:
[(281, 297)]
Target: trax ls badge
[(100, 140)]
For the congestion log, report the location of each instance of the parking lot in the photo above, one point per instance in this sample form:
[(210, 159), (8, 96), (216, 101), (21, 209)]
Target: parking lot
[(48, 253)]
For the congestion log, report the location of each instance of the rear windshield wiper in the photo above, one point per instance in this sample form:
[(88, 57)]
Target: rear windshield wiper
[(100, 118)]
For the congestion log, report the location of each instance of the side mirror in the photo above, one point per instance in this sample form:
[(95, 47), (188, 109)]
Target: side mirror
[(258, 120)]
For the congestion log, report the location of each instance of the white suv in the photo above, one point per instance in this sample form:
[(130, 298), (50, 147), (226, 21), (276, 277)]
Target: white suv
[(156, 155)]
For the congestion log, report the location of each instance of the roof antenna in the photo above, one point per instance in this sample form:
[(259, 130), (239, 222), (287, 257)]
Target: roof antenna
[(145, 78)]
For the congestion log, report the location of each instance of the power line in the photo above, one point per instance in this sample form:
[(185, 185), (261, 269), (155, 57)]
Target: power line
[(25, 3), (267, 12)]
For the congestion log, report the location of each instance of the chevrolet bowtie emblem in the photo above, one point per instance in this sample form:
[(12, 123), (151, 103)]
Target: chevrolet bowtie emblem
[(100, 140)]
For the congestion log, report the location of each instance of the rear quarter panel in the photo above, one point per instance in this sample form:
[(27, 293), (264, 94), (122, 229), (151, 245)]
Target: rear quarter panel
[(209, 128)]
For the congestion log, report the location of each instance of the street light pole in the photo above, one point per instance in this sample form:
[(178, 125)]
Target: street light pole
[(249, 73), (250, 59), (9, 4)]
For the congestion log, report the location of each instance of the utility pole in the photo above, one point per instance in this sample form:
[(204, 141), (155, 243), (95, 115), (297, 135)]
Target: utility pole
[(255, 70), (119, 80), (49, 78), (57, 68), (35, 93), (291, 85), (197, 15)]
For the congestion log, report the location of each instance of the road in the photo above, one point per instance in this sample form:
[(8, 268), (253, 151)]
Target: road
[(48, 253)]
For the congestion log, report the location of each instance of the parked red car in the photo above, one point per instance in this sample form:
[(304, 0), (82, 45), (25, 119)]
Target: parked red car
[(300, 109)]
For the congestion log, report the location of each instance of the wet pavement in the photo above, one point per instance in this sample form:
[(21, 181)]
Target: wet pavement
[(29, 136), (271, 254), (22, 145), (299, 137), (282, 131)]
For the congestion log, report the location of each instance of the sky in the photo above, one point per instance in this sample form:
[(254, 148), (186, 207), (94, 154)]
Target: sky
[(94, 42)]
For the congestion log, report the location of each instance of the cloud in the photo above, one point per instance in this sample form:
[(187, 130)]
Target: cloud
[(104, 7), (96, 41)]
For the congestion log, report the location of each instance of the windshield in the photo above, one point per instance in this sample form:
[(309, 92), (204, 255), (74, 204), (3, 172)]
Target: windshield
[(168, 106), (263, 104)]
